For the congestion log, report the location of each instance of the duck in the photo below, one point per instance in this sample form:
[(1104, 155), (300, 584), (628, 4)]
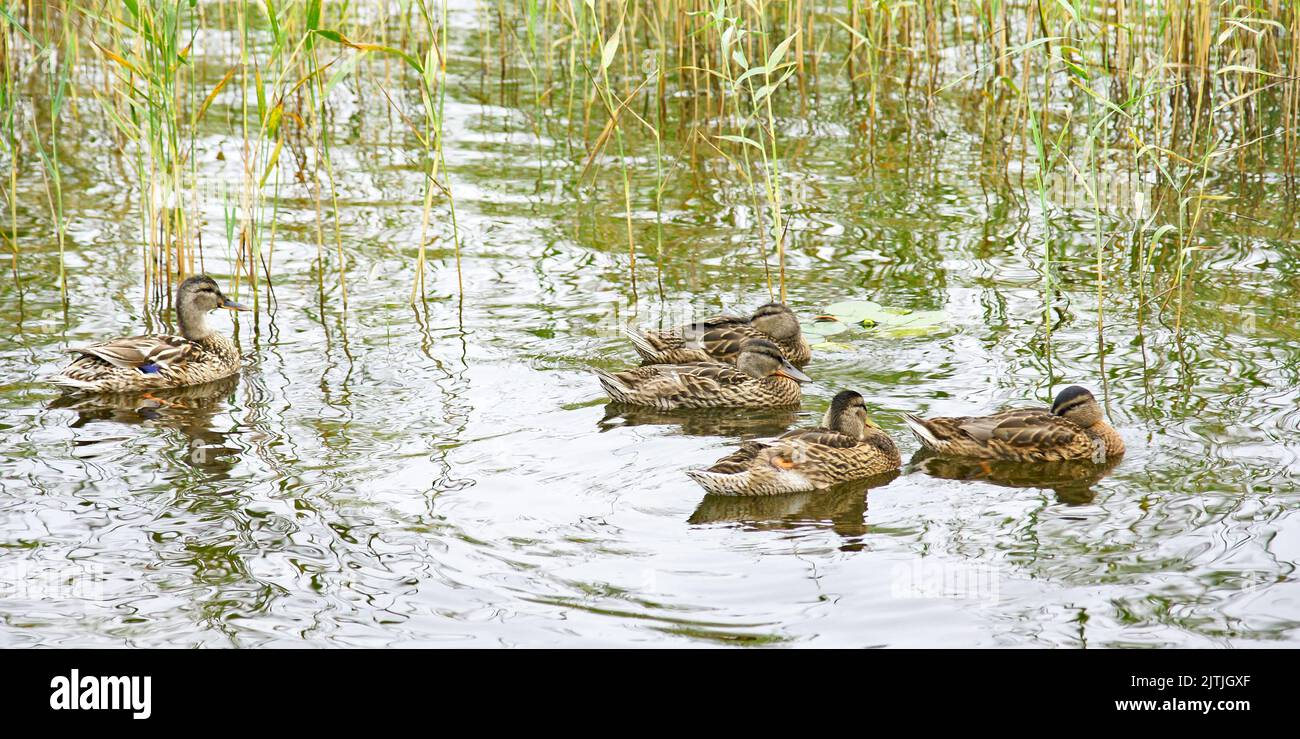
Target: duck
[(761, 378), (1073, 429), (159, 361), (718, 339), (847, 446)]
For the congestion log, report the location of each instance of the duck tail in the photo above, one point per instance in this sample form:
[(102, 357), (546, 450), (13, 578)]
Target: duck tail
[(722, 483), (71, 383), (614, 387), (640, 342), (922, 430)]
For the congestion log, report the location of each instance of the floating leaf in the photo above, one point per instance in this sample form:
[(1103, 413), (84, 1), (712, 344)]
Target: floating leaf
[(881, 319), (823, 328), (832, 346), (853, 311), (914, 324)]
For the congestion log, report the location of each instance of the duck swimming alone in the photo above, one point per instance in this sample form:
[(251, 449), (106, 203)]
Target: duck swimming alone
[(1073, 429), (761, 378), (719, 339), (847, 446), (157, 361)]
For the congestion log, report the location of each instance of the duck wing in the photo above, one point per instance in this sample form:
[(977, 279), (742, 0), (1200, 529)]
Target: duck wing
[(821, 437), (136, 352), (722, 341), (739, 460), (703, 379), (749, 450), (695, 335), (1028, 428)]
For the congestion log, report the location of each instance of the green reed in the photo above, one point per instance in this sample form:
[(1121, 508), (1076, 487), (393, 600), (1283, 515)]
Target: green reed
[(1166, 92), (1144, 85), (10, 29)]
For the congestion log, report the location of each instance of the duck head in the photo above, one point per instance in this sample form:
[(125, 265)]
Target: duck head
[(848, 415), (1078, 406), (777, 321), (760, 358), (195, 298)]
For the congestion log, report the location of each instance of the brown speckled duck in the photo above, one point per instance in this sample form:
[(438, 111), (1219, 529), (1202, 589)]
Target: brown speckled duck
[(1073, 429), (157, 361), (761, 378), (719, 339), (847, 446)]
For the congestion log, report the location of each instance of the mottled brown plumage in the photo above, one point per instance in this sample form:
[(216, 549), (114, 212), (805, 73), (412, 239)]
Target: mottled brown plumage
[(1073, 429), (719, 339), (761, 378), (847, 446), (157, 361)]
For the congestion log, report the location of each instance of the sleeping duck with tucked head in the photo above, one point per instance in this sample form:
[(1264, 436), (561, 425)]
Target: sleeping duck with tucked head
[(847, 446), (1074, 429), (761, 378), (158, 361), (719, 339)]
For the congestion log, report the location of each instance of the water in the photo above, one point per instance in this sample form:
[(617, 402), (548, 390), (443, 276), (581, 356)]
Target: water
[(454, 477)]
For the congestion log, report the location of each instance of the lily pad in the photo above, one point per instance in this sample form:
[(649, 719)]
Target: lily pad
[(823, 328), (854, 311), (914, 324), (832, 346), (882, 318)]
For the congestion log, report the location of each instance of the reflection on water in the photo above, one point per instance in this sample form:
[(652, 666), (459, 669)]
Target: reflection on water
[(450, 475), (842, 508), (1072, 481), (745, 423), (191, 411)]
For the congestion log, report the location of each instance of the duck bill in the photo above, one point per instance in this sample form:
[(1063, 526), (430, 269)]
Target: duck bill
[(792, 372), (232, 305)]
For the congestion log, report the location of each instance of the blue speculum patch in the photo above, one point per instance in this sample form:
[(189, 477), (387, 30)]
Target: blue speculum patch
[(150, 368)]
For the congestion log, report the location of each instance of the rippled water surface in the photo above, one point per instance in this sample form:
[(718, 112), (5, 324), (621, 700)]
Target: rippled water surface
[(451, 475)]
